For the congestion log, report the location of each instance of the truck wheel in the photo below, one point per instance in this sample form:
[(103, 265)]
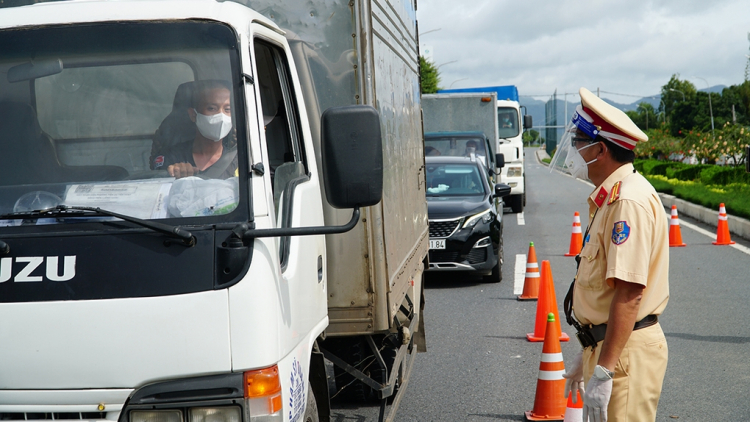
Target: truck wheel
[(497, 270), (311, 409), (516, 203)]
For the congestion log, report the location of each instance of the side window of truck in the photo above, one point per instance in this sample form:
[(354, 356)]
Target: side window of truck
[(280, 118)]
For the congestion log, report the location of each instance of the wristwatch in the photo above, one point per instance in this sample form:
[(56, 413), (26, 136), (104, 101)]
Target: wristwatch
[(602, 373)]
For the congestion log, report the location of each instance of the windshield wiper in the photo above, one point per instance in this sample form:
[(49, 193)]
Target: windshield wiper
[(71, 210)]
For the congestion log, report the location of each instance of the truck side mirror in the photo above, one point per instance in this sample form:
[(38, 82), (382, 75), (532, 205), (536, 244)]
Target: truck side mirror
[(499, 160), (501, 190), (527, 123), (352, 152)]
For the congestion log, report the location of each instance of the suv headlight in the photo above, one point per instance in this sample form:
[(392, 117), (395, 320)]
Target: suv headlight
[(474, 219)]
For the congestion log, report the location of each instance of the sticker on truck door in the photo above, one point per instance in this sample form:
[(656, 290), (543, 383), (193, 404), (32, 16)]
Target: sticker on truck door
[(296, 392)]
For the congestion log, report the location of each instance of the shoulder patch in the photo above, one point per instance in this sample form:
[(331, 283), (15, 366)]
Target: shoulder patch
[(600, 197), (620, 232), (615, 194), (158, 161)]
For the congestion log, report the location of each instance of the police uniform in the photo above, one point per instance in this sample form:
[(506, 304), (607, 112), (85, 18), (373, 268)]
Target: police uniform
[(627, 239)]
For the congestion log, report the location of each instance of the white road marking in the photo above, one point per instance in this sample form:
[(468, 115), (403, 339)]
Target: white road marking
[(743, 249), (521, 219), (520, 274)]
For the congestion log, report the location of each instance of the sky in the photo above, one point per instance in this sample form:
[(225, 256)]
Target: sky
[(622, 47)]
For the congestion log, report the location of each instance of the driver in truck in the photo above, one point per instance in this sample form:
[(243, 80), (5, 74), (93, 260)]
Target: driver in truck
[(206, 153)]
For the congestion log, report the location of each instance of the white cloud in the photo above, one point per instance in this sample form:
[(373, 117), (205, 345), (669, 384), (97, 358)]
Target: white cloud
[(625, 47)]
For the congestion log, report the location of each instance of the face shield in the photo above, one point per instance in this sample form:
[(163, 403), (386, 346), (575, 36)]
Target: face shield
[(567, 157)]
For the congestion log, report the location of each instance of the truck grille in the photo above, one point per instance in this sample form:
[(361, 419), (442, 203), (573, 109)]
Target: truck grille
[(443, 228), (13, 416)]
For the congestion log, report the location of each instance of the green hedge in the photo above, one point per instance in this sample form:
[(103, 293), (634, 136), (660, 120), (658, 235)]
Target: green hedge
[(735, 196), (715, 175), (688, 172)]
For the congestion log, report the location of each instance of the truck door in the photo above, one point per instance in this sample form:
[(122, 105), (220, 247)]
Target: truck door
[(296, 201)]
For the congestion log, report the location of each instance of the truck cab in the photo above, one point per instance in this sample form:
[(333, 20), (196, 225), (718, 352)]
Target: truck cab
[(132, 291)]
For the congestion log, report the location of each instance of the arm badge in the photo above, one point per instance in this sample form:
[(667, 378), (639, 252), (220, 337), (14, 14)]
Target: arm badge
[(620, 232)]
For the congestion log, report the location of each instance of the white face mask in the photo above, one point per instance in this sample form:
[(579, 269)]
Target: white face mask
[(214, 127), (577, 166)]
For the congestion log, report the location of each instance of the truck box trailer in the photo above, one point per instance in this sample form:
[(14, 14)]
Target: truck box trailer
[(511, 123), (129, 293)]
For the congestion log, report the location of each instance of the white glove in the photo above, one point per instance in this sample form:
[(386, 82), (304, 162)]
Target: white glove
[(596, 399), (574, 377)]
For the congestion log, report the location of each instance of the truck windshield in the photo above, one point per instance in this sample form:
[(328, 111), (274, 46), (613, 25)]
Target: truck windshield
[(454, 180), (507, 121), (135, 118)]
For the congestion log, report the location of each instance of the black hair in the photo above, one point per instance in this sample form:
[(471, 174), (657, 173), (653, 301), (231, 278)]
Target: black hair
[(200, 87), (618, 153)]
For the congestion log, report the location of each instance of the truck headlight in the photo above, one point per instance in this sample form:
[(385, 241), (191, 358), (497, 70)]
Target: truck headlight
[(474, 219), (215, 414), (515, 171), (156, 416)]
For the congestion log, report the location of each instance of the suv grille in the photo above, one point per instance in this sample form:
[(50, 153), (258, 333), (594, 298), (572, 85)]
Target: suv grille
[(444, 228)]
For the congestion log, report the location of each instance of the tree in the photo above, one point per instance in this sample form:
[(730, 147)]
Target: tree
[(429, 75), (674, 94), (644, 116)]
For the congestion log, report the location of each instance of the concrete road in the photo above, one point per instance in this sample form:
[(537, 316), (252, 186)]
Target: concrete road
[(479, 366)]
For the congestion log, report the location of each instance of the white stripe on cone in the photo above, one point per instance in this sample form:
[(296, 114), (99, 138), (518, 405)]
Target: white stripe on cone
[(530, 265), (552, 357), (551, 375)]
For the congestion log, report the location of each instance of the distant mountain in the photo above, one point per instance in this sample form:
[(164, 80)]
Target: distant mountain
[(536, 108)]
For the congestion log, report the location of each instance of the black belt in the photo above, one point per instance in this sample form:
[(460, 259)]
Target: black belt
[(598, 331)]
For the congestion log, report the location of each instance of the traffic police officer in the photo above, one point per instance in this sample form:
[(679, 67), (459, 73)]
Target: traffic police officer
[(622, 282)]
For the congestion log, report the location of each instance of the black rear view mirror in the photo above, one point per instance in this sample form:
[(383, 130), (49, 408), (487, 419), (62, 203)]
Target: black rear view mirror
[(32, 70), (502, 190), (527, 121), (352, 152), (499, 160)]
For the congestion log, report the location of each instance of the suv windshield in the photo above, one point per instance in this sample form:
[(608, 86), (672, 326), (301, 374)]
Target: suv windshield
[(507, 121), (454, 180), (132, 118)]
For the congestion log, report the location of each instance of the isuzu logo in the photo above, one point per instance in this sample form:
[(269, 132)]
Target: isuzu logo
[(28, 268)]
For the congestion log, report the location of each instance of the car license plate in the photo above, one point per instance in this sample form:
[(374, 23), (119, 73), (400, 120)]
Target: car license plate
[(437, 244)]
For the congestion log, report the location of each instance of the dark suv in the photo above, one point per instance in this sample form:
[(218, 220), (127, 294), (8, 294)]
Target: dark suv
[(466, 232)]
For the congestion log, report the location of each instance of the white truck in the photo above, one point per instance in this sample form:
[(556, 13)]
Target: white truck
[(461, 115), (249, 291), (511, 123)]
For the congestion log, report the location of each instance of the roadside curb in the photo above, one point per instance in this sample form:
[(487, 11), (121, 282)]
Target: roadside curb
[(737, 225)]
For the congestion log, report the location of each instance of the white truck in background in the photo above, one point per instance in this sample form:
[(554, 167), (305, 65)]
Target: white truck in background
[(511, 124), (129, 295)]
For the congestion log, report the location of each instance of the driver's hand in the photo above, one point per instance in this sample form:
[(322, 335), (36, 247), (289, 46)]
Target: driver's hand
[(180, 170)]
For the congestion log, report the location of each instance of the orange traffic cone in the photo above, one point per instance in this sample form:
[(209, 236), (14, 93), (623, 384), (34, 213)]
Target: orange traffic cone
[(547, 303), (574, 411), (549, 401), (722, 232), (576, 238), (531, 283), (675, 235)]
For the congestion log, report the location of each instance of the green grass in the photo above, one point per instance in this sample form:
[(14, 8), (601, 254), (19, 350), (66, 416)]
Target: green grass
[(546, 160), (735, 196)]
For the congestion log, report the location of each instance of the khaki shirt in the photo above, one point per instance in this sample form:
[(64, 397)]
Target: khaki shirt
[(628, 239)]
